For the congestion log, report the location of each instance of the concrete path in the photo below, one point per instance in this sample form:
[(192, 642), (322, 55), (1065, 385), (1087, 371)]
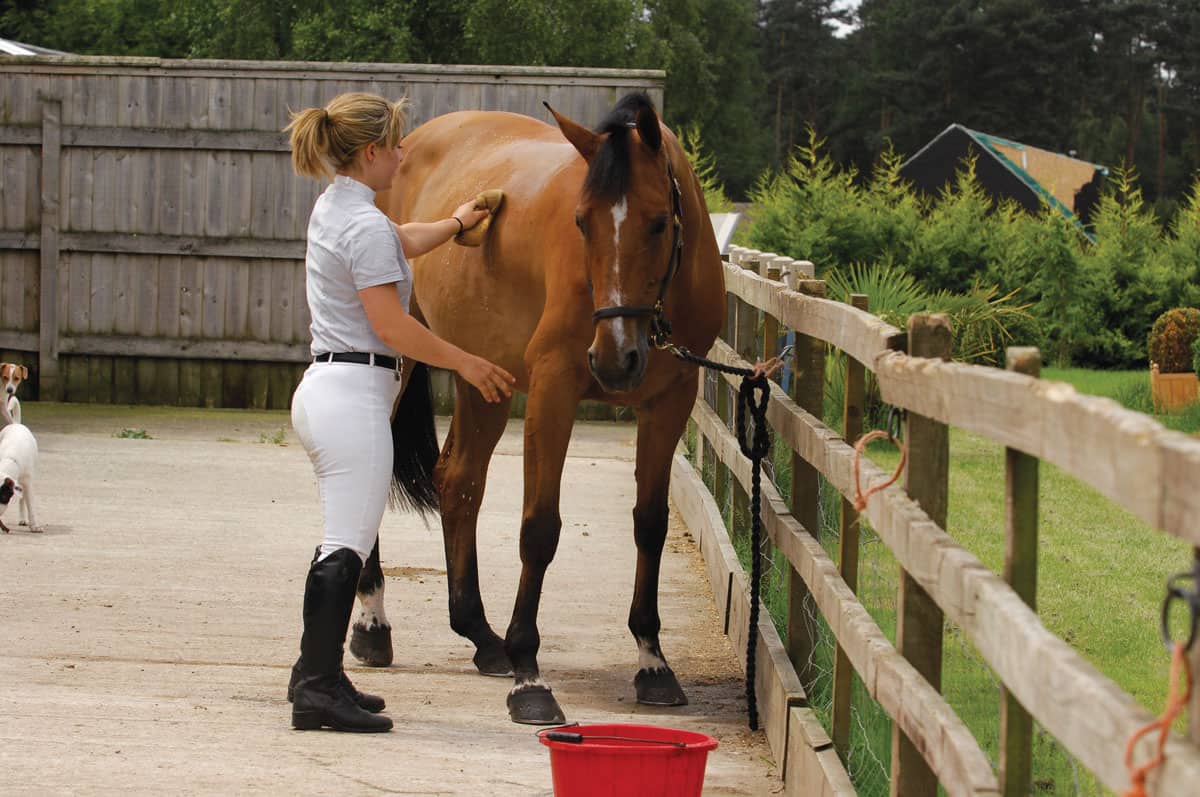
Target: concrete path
[(146, 637)]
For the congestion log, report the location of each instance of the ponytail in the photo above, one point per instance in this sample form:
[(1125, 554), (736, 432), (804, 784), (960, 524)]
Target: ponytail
[(310, 142)]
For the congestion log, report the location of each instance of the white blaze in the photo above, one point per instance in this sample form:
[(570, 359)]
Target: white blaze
[(619, 211)]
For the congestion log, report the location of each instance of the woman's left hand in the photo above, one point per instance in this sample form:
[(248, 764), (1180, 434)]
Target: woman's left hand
[(468, 215)]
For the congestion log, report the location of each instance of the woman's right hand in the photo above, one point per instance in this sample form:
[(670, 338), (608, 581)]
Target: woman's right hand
[(492, 381)]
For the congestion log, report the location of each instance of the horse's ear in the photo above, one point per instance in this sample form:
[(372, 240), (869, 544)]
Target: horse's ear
[(648, 129), (584, 140)]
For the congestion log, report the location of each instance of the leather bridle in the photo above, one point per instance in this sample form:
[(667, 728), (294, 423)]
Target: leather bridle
[(660, 327)]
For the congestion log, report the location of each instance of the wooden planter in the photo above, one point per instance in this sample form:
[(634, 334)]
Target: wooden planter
[(1172, 392)]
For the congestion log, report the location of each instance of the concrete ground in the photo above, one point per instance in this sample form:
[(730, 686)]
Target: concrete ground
[(146, 636)]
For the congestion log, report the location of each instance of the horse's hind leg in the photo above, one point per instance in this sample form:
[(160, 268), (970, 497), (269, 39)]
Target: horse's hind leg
[(371, 639), (461, 475), (659, 428)]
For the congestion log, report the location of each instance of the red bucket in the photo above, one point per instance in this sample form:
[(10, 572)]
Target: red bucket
[(622, 760)]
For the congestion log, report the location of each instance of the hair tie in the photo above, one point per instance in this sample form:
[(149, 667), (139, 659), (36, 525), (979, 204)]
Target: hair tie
[(326, 118)]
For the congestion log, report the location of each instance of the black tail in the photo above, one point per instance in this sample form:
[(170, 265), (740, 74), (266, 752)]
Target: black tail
[(415, 446)]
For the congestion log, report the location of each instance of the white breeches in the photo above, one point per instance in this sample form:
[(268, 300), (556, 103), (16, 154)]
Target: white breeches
[(342, 414)]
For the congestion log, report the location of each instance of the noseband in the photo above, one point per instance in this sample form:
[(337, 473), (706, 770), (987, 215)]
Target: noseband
[(660, 327)]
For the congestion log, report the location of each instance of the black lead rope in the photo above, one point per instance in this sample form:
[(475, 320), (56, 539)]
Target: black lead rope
[(756, 450)]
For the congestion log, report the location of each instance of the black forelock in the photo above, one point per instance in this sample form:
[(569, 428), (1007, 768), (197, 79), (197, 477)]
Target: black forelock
[(625, 112), (608, 173)]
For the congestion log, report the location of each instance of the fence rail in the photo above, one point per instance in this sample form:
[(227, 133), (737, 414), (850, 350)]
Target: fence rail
[(1125, 455)]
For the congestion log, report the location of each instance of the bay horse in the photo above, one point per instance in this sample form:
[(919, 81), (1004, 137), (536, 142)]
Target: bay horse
[(603, 238)]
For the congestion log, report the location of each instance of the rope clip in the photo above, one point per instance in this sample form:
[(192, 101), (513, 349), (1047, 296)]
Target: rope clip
[(895, 418), (1191, 598)]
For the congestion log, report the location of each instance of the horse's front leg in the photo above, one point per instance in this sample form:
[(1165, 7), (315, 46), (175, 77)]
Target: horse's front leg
[(554, 393), (371, 638), (660, 425)]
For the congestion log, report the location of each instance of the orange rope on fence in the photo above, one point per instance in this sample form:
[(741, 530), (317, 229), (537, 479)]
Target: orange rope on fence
[(860, 498), (1176, 700)]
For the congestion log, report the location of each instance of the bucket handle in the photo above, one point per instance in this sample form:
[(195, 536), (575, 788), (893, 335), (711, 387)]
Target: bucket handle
[(578, 738)]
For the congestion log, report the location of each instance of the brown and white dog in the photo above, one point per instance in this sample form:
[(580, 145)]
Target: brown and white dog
[(11, 377), (18, 460)]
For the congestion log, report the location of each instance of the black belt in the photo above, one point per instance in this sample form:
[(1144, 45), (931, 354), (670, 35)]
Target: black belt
[(360, 357)]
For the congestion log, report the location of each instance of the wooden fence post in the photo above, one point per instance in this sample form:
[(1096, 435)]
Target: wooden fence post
[(1020, 571), (49, 384), (770, 324), (698, 451), (721, 478), (918, 619), (745, 343), (808, 389), (852, 428)]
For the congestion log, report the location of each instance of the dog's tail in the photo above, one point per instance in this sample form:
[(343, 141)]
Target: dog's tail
[(415, 446)]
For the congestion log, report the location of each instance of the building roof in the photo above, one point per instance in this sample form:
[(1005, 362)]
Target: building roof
[(10, 47), (1029, 174)]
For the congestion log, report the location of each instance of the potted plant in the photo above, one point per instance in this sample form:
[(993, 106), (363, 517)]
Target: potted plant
[(1173, 382)]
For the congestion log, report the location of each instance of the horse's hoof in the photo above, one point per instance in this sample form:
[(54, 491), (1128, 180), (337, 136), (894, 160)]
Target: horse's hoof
[(493, 661), (534, 705), (658, 688), (372, 646)]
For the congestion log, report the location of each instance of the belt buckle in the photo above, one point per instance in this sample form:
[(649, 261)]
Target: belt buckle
[(397, 363)]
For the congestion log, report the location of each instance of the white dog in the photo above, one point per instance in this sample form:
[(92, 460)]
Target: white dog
[(18, 459), (10, 379)]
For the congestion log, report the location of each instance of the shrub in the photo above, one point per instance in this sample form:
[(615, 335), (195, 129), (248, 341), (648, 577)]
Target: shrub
[(983, 321), (704, 164), (1172, 339), (1127, 265), (1196, 355)]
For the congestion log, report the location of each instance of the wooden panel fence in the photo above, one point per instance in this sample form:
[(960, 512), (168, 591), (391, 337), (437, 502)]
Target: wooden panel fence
[(1148, 470), (151, 228)]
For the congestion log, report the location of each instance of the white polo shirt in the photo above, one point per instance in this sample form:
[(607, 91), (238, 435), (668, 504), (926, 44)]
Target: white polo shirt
[(351, 245)]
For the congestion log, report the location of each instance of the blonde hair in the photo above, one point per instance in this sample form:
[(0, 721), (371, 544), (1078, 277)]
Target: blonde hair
[(327, 140)]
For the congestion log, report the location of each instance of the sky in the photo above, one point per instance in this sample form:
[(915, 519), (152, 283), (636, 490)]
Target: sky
[(842, 30)]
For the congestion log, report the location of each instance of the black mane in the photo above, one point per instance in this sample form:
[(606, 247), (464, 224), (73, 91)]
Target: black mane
[(608, 173)]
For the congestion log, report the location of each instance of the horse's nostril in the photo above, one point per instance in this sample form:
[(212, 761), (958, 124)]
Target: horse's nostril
[(633, 361)]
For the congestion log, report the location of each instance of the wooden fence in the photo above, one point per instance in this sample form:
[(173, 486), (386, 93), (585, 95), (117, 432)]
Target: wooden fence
[(151, 228), (1128, 457)]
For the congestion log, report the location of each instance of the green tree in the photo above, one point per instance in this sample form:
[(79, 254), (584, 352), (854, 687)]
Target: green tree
[(1181, 253), (804, 62), (551, 32), (354, 30), (709, 49), (1127, 267)]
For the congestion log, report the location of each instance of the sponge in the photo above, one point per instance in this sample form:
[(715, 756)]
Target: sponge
[(489, 200)]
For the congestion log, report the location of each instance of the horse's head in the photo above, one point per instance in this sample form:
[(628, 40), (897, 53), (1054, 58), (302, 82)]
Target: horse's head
[(629, 216)]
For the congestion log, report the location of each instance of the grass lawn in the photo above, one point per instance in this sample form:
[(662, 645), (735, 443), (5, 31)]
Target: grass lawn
[(1100, 585)]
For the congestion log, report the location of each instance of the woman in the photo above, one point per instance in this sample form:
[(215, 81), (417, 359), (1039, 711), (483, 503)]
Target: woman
[(358, 284)]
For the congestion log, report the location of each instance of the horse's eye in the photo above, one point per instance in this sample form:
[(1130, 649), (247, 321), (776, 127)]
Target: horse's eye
[(579, 224), (658, 225)]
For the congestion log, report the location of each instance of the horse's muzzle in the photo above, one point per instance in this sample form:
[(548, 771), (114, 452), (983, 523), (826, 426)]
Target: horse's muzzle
[(621, 371)]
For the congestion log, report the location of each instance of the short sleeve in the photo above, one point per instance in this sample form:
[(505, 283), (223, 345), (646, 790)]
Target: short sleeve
[(374, 253)]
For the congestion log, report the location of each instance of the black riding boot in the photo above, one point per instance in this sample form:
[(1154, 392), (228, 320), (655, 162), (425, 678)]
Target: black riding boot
[(367, 702), (320, 697)]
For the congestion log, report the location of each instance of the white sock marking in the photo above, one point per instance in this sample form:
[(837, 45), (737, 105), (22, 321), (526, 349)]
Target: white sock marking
[(647, 659), (371, 614)]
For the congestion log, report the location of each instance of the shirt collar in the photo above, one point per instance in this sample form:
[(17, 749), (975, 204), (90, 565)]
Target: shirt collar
[(348, 183)]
